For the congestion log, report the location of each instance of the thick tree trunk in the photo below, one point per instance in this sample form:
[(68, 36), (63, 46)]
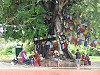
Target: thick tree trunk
[(59, 25), (57, 7), (58, 18)]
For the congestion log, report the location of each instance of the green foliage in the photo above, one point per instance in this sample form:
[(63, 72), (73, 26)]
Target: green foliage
[(28, 19), (8, 50), (93, 52), (30, 13), (85, 50), (29, 47), (88, 10)]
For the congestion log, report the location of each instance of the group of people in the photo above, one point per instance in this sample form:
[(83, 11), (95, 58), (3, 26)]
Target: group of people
[(25, 59), (83, 58), (35, 59)]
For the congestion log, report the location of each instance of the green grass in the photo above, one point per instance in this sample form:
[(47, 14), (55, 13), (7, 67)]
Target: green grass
[(9, 57), (6, 57), (95, 58)]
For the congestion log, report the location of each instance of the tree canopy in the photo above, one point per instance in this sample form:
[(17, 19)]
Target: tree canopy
[(25, 19)]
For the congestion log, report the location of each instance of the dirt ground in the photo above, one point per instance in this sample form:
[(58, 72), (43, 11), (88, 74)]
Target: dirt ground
[(3, 65), (9, 69)]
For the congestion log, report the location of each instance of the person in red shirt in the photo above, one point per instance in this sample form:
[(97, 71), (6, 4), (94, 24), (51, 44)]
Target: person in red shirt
[(37, 59), (83, 57)]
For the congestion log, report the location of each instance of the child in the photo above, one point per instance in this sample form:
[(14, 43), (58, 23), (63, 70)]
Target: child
[(32, 59)]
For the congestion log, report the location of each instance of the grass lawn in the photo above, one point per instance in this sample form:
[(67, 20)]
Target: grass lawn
[(10, 57), (6, 58), (95, 58)]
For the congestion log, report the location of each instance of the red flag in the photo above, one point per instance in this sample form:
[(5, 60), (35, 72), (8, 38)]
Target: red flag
[(92, 44), (75, 42), (65, 44), (55, 44)]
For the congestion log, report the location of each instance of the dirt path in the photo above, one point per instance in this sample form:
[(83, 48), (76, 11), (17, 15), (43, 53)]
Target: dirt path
[(94, 65), (3, 65), (8, 69)]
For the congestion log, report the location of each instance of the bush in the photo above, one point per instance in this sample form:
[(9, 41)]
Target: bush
[(29, 47), (73, 51), (8, 50), (93, 52)]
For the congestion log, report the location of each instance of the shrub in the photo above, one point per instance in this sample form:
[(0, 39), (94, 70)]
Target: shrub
[(8, 50), (29, 47)]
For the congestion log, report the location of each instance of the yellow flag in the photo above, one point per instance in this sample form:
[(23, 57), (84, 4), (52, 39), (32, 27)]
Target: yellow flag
[(66, 23), (82, 42), (78, 35), (71, 28), (41, 38), (85, 32), (54, 35)]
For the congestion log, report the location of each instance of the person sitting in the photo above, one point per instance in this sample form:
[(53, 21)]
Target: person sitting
[(27, 60), (14, 61), (56, 55), (23, 53), (87, 58), (61, 53), (83, 59), (32, 59)]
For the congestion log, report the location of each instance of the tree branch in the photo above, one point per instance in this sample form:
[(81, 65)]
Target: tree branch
[(66, 1), (62, 3), (45, 5)]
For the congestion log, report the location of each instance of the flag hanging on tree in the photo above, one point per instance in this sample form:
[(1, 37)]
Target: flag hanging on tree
[(80, 42), (85, 43), (92, 44), (75, 42)]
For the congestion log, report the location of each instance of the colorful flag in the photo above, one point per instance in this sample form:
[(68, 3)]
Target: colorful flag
[(35, 39), (85, 43), (92, 44), (38, 38), (41, 38), (75, 42), (54, 35), (51, 45), (46, 36), (80, 42), (48, 46), (55, 44)]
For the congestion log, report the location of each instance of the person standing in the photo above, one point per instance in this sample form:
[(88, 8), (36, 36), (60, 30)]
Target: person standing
[(37, 58), (78, 56)]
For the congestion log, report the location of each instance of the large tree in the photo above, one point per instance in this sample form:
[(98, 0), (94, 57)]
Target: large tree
[(25, 19), (27, 16)]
